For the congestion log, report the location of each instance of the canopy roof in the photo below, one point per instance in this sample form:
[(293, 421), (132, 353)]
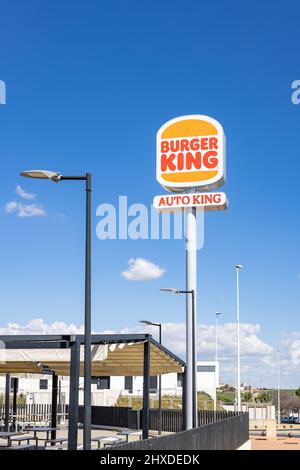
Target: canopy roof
[(112, 355)]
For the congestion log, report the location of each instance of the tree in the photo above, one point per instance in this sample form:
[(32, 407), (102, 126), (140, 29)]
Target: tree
[(297, 392), (247, 396), (263, 398)]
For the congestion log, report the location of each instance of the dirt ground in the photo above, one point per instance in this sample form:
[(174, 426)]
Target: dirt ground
[(276, 443)]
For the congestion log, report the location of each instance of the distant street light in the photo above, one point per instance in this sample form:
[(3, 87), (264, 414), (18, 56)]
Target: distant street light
[(278, 387), (172, 289), (150, 323), (216, 360), (56, 177), (238, 389), (191, 368)]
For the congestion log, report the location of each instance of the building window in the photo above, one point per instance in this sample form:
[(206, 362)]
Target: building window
[(205, 368), (103, 383), (43, 384), (13, 381), (153, 383), (180, 379), (129, 383)]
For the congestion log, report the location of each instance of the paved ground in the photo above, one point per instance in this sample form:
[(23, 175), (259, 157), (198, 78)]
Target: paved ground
[(96, 433), (63, 432), (276, 443)]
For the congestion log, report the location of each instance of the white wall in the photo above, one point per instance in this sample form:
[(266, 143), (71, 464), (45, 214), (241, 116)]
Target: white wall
[(30, 387)]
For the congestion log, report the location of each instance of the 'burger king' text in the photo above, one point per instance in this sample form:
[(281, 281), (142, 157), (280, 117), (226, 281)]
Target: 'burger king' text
[(189, 154)]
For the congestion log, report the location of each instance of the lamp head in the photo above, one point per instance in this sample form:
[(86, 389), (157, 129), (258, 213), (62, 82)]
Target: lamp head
[(42, 174), (146, 322), (170, 289), (239, 266)]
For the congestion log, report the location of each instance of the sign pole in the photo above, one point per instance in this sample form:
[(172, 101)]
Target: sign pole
[(191, 157), (191, 317)]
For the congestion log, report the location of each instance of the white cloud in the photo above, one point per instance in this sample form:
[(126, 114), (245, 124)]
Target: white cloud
[(258, 358), (141, 269), (251, 344), (24, 194), (38, 326), (24, 210)]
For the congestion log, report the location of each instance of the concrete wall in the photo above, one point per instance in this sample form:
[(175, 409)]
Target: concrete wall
[(255, 411)]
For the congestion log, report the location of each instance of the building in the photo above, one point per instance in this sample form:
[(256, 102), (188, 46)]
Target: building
[(106, 390)]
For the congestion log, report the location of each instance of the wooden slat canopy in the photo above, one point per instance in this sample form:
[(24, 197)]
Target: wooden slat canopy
[(108, 360)]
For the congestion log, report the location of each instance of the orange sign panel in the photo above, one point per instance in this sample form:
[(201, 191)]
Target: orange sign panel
[(191, 154)]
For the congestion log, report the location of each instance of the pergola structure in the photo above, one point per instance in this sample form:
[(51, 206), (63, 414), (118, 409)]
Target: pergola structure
[(112, 355)]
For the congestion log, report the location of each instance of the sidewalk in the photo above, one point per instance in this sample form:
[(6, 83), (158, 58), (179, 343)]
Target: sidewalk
[(275, 443)]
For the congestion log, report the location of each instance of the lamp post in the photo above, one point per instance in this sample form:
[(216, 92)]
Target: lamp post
[(191, 365), (150, 323), (57, 177), (238, 388), (278, 387), (216, 360)]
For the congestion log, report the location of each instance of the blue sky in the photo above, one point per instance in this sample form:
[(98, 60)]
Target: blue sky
[(88, 85)]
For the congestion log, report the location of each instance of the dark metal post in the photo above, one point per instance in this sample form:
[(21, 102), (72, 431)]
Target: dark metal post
[(184, 428), (87, 322), (159, 393), (7, 396), (14, 403), (73, 397), (146, 388), (54, 405), (59, 402)]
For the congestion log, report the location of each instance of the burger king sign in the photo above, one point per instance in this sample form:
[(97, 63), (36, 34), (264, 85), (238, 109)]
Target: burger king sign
[(191, 154)]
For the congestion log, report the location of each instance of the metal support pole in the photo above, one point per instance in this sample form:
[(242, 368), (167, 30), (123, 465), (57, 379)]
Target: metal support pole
[(216, 355), (14, 403), (159, 394), (87, 323), (184, 400), (54, 405), (216, 365), (278, 387), (191, 319), (238, 385), (7, 396), (195, 388), (73, 396), (59, 402), (146, 388)]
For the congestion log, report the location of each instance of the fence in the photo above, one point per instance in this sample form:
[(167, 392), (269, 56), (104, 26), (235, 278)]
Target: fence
[(227, 434), (113, 416), (172, 420), (36, 412)]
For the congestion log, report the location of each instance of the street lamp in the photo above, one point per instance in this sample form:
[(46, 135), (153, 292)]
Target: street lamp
[(57, 177), (216, 360), (191, 369), (150, 323), (238, 389), (278, 387)]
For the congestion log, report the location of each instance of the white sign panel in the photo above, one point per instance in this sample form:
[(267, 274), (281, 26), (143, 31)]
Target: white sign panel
[(207, 201)]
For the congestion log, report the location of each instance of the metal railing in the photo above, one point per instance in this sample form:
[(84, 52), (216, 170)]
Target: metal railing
[(35, 413), (227, 434)]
